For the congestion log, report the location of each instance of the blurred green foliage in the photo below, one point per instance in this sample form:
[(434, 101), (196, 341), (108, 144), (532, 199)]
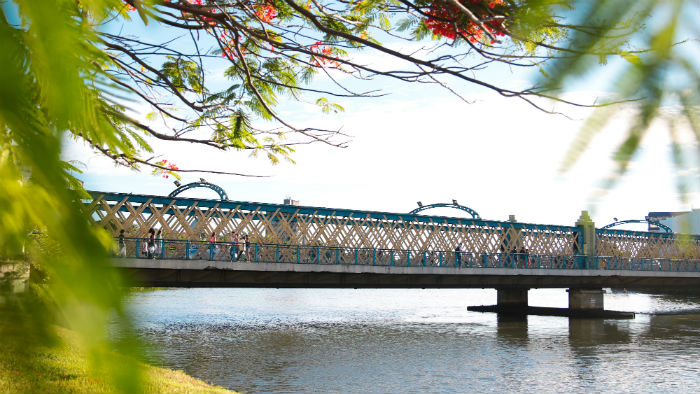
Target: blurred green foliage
[(50, 83), (659, 79)]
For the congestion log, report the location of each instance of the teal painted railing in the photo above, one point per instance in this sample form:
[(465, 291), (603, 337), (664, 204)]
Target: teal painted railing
[(314, 254)]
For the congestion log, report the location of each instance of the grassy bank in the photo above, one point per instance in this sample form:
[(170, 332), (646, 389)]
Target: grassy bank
[(64, 369)]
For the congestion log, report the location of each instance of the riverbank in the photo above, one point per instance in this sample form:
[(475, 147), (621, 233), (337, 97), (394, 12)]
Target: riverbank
[(64, 369)]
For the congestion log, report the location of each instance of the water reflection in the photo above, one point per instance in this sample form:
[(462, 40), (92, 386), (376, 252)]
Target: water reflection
[(585, 333), (512, 329), (415, 341)]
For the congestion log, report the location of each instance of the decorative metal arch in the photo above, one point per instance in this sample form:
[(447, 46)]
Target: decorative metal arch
[(654, 222), (217, 189), (454, 205)]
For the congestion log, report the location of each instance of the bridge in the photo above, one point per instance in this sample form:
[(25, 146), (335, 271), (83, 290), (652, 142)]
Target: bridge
[(303, 246)]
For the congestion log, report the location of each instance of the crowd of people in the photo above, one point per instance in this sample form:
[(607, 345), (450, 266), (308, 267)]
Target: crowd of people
[(151, 248), (238, 246)]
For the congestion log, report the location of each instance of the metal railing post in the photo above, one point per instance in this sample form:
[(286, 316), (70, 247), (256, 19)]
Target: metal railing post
[(136, 253), (408, 258), (374, 256), (440, 257), (337, 256), (256, 253), (277, 253), (391, 257), (298, 256), (356, 256), (187, 249)]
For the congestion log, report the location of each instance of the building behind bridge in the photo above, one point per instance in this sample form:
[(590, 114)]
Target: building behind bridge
[(687, 222)]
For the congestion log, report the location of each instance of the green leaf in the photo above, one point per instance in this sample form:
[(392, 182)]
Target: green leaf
[(632, 58)]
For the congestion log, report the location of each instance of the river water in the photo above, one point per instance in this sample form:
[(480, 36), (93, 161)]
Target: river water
[(417, 341)]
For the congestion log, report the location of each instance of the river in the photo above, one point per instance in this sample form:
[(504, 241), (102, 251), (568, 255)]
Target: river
[(417, 341)]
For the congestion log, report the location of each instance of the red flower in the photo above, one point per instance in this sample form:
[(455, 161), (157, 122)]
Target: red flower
[(266, 12), (325, 50), (448, 20), (129, 7)]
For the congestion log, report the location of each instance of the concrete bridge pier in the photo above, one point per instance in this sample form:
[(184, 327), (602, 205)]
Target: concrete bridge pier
[(511, 300), (586, 299), (590, 303), (584, 303)]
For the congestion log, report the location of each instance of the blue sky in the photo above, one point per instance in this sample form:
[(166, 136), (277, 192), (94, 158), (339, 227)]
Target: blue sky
[(498, 156)]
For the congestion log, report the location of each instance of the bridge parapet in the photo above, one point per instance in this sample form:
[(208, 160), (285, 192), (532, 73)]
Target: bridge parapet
[(647, 245), (185, 250)]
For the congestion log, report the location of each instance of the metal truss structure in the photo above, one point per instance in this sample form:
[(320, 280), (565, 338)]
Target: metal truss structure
[(654, 222), (454, 205), (197, 219), (181, 188)]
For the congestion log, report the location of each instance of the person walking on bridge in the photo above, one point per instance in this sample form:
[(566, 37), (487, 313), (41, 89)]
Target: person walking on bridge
[(122, 244), (212, 246), (158, 243), (458, 255), (151, 243), (233, 238), (245, 244)]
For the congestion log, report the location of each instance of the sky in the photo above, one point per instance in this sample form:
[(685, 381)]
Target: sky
[(498, 156)]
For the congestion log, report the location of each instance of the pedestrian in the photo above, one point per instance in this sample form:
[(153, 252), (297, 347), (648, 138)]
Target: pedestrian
[(247, 246), (243, 254), (212, 246), (458, 255), (523, 257), (159, 243), (122, 244), (233, 238), (151, 243)]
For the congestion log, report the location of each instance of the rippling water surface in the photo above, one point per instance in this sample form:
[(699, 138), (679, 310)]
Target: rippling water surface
[(417, 341)]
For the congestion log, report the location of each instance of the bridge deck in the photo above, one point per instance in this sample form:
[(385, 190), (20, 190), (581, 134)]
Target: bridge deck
[(205, 273)]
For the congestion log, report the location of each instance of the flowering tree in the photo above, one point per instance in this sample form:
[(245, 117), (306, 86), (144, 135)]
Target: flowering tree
[(273, 49)]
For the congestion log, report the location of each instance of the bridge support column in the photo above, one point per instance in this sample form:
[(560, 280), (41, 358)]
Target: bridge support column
[(586, 303), (585, 242), (586, 300), (511, 300)]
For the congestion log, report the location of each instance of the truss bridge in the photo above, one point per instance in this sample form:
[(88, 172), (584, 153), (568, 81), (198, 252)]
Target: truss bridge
[(304, 246)]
